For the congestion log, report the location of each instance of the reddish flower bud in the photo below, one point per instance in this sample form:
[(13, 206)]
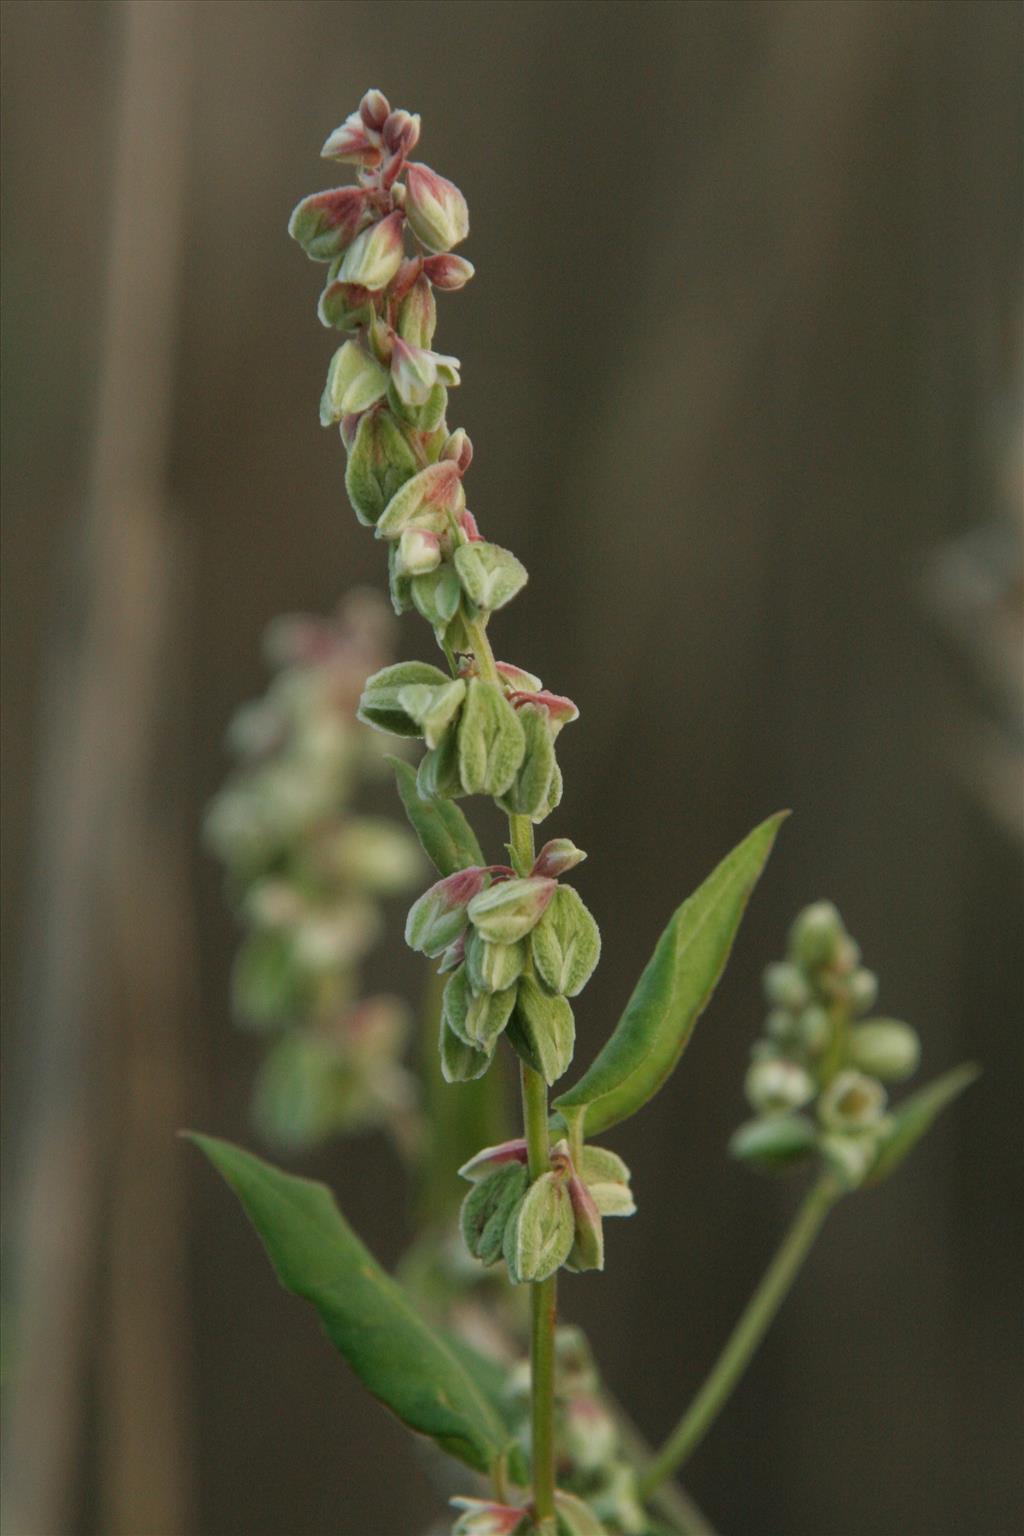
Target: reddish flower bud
[(481, 1517), (375, 255), (490, 1158), (468, 524), (439, 916), (327, 223), (517, 679), (448, 272), (401, 132), (435, 208), (407, 274), (561, 711), (557, 857), (374, 109), (415, 371), (459, 449), (351, 144)]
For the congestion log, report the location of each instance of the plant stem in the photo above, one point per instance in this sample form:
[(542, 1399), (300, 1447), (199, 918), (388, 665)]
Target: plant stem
[(544, 1294), (745, 1337)]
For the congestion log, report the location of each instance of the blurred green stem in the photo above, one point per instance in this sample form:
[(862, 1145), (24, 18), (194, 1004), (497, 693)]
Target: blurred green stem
[(745, 1337)]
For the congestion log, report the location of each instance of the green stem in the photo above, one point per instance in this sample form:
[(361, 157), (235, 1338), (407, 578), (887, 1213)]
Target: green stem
[(544, 1295), (744, 1339)]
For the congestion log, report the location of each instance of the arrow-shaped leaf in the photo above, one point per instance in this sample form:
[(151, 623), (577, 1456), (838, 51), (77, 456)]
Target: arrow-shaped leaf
[(366, 1314), (672, 992), (912, 1118), (446, 836)]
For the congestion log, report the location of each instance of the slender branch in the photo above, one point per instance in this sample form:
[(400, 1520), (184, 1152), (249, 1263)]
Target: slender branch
[(744, 1339)]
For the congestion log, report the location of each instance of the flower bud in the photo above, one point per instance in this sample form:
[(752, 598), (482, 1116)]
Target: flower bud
[(354, 383), (862, 990), (481, 1517), (435, 208), (439, 916), (374, 109), (528, 795), (344, 306), (493, 967), (776, 1143), (380, 462), (814, 1029), (460, 1061), (607, 1177), (427, 499), (850, 1156), (815, 936), (489, 1158), (401, 132), (508, 909), (785, 985), (419, 551), (416, 372), (375, 255), (557, 857), (380, 706), (516, 680), (773, 1087), (560, 710), (852, 1102), (539, 1235), (542, 1030), (327, 223), (459, 449), (417, 315), (448, 272), (490, 576), (587, 1250), (437, 777), (432, 708), (491, 746), (487, 1014), (885, 1048), (589, 1435), (566, 943), (351, 144), (468, 524), (436, 595), (574, 1517), (488, 1208)]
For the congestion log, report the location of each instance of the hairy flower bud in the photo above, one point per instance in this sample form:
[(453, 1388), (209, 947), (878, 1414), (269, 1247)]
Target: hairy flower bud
[(507, 910), (401, 132), (354, 383), (416, 372), (375, 255), (557, 857), (774, 1087), (542, 1030), (344, 306), (587, 1250), (488, 1207), (460, 1061), (852, 1101), (380, 462), (448, 272), (326, 223), (374, 109), (435, 208), (491, 744), (608, 1179), (560, 710), (419, 551), (489, 1158), (351, 143), (417, 315), (566, 943), (516, 680), (380, 704), (433, 708), (427, 499), (439, 916), (437, 777), (436, 595), (885, 1048), (493, 967), (529, 793), (540, 1234), (490, 576), (459, 449)]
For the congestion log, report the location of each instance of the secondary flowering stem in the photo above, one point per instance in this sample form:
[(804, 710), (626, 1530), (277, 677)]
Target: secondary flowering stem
[(745, 1337)]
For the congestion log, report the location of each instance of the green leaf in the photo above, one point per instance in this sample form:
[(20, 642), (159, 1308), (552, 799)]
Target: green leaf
[(672, 992), (447, 838), (366, 1314), (915, 1116)]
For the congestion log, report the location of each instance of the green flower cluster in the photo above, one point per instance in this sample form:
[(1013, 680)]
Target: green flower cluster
[(816, 1081), (306, 875)]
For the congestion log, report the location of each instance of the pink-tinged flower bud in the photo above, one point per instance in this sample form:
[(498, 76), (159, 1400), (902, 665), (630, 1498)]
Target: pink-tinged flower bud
[(427, 500), (401, 132), (326, 223), (508, 910), (480, 1517), (351, 144), (354, 382), (560, 710), (419, 551), (415, 371), (417, 315), (453, 956), (374, 109), (468, 524), (490, 1158), (435, 208), (459, 449), (375, 255), (517, 679), (439, 916), (448, 272), (407, 274), (344, 306), (557, 857)]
